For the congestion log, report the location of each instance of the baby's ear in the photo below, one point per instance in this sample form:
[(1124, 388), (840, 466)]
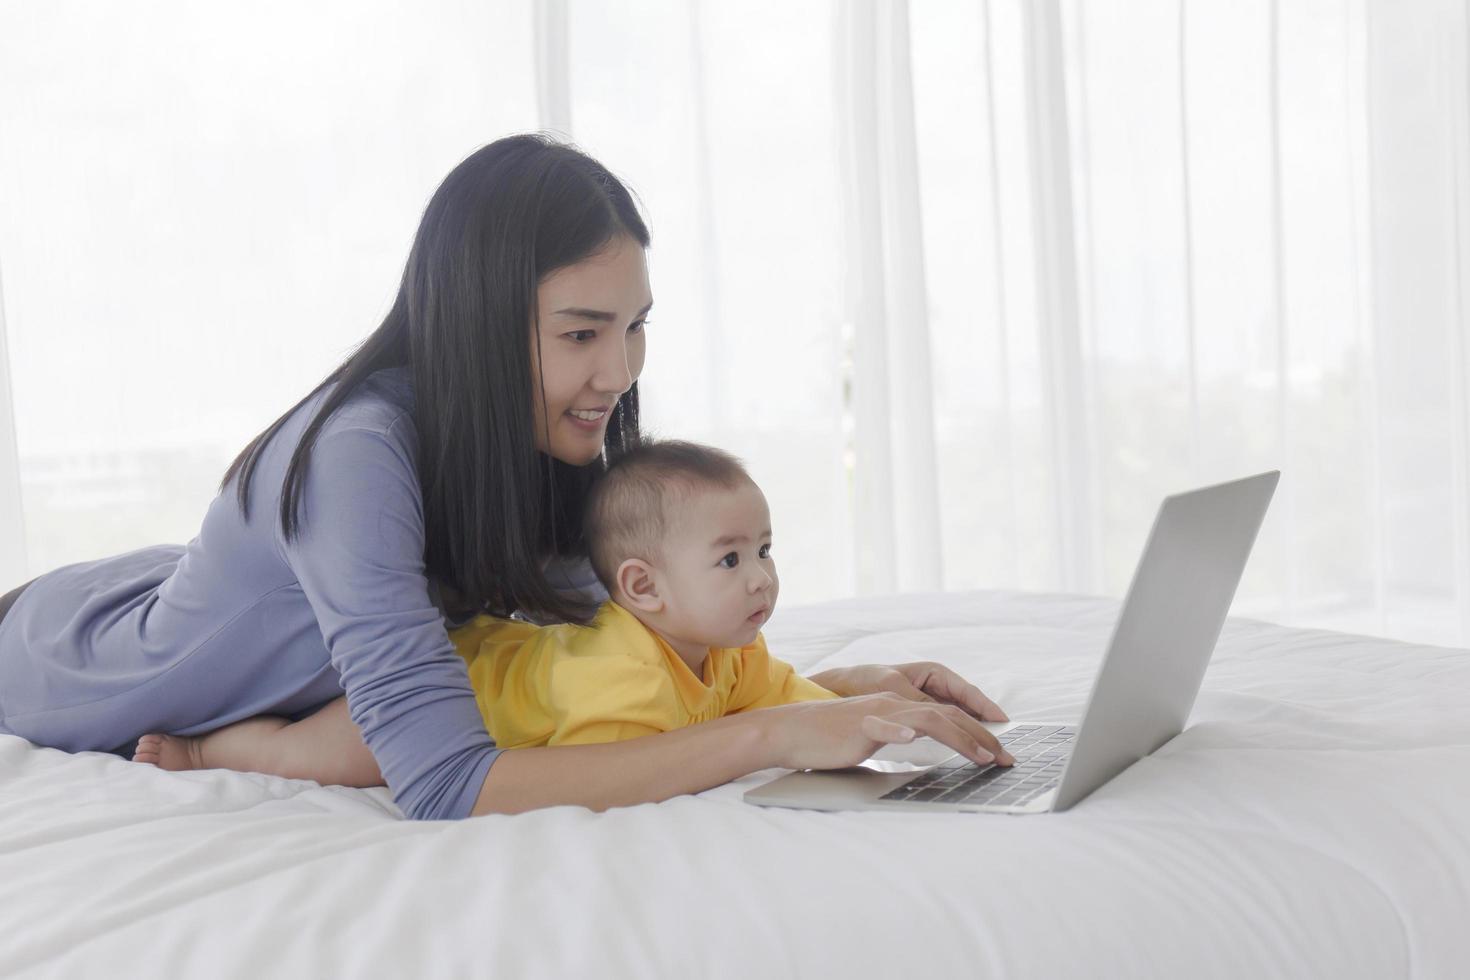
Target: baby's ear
[(636, 582)]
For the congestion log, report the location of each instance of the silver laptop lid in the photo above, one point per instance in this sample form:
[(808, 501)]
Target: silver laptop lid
[(1171, 618)]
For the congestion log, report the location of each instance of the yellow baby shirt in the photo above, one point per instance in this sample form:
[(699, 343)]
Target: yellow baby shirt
[(571, 685)]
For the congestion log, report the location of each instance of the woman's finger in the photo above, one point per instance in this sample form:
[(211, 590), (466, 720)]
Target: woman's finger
[(973, 700), (960, 718), (943, 729), (900, 684), (883, 730), (945, 685), (952, 726)]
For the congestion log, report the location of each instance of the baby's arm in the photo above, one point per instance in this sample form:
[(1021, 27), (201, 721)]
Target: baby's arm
[(561, 686), (325, 746), (611, 699), (767, 682)]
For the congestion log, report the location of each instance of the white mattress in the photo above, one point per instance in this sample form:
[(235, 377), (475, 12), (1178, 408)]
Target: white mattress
[(1313, 820)]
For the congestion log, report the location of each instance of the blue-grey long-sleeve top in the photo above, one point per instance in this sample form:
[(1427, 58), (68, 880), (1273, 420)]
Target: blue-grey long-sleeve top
[(239, 622)]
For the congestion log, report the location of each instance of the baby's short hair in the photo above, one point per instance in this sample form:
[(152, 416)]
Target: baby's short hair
[(629, 507)]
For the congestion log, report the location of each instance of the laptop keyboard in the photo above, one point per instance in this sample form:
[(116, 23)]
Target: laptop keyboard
[(1040, 750)]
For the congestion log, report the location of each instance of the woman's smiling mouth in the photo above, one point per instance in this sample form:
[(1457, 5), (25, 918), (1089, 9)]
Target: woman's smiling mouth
[(587, 419), (588, 414)]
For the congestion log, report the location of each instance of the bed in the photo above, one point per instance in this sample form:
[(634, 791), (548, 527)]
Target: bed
[(1313, 820)]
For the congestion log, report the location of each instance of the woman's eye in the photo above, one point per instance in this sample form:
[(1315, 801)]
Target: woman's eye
[(730, 560), (765, 551), (638, 327), (581, 336)]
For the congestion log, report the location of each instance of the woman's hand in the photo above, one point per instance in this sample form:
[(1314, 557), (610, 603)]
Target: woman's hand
[(835, 734), (882, 705), (928, 682)]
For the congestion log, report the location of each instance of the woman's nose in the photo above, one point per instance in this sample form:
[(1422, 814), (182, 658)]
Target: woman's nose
[(613, 371)]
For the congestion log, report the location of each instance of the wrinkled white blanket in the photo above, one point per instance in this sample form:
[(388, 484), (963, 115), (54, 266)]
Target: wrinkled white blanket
[(1313, 820)]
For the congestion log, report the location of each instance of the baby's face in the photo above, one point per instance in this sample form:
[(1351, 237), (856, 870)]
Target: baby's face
[(719, 580)]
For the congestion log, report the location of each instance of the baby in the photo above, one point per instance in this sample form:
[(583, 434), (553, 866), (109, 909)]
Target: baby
[(681, 537)]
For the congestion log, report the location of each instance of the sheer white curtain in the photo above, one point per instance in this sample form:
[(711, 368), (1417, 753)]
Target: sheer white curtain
[(1246, 252), (970, 284), (12, 514), (202, 209)]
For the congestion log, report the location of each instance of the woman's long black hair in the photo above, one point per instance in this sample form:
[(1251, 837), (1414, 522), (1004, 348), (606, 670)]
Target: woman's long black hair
[(494, 507)]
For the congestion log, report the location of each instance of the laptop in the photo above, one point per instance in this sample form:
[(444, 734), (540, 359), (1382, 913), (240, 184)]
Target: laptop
[(1145, 688)]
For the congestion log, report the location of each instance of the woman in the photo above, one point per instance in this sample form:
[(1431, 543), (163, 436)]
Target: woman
[(438, 472)]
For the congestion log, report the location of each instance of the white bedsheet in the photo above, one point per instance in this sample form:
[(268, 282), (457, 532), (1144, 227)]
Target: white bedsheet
[(1313, 820)]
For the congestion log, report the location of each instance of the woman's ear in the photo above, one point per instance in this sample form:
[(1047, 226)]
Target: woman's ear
[(636, 582)]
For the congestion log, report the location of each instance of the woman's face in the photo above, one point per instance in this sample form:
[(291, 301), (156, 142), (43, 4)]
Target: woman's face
[(590, 331)]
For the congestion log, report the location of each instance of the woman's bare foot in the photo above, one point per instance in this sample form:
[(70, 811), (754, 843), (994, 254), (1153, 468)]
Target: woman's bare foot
[(175, 753)]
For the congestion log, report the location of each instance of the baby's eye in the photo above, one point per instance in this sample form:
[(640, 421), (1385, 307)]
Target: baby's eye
[(765, 551), (730, 560)]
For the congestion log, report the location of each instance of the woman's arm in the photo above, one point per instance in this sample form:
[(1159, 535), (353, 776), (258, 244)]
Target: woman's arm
[(808, 735), (640, 770), (359, 560)]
